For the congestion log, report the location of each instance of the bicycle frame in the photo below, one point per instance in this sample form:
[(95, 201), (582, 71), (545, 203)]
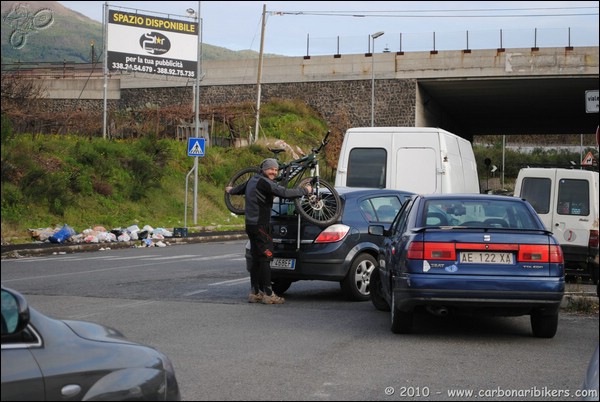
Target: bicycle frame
[(295, 169)]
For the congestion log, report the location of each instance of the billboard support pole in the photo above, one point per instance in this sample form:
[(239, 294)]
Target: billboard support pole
[(105, 68), (197, 109)]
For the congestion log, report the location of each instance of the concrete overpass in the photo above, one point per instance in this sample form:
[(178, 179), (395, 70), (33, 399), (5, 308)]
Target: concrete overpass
[(480, 92)]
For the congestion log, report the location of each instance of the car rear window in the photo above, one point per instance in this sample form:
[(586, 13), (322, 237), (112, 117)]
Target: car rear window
[(380, 209), (479, 213)]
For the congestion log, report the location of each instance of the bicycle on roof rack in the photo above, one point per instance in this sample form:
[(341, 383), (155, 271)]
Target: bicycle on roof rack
[(322, 207)]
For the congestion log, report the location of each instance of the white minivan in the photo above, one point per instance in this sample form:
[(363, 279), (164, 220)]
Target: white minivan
[(417, 159), (567, 202)]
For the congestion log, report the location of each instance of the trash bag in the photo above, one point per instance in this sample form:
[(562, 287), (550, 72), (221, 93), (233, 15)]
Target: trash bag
[(62, 235), (124, 237)]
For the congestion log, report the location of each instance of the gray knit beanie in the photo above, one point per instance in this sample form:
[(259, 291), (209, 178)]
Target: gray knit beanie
[(269, 163)]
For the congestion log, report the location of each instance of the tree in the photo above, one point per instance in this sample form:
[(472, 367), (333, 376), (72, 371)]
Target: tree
[(19, 92)]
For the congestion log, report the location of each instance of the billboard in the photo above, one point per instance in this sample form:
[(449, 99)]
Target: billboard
[(152, 45)]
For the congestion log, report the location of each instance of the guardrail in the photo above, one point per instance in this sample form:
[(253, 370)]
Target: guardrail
[(461, 40)]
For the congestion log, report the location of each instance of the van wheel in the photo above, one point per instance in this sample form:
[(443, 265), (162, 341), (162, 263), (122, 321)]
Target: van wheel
[(357, 283), (377, 297), (544, 326), (594, 270)]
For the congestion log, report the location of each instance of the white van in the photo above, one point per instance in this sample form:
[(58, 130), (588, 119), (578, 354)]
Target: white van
[(417, 159), (567, 202)]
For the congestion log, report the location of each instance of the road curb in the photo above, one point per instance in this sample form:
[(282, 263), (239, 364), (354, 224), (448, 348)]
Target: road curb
[(580, 301), (40, 249)]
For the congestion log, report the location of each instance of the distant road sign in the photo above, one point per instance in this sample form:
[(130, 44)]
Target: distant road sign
[(196, 147), (588, 159), (591, 101)]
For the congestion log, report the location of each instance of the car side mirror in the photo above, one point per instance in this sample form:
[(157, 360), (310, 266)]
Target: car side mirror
[(15, 313), (376, 230)]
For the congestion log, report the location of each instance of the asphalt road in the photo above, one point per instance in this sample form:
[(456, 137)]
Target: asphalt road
[(190, 302)]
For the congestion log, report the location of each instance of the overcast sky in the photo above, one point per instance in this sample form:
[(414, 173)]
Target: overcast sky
[(296, 28)]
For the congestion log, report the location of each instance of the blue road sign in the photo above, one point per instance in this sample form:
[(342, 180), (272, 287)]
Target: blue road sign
[(196, 147)]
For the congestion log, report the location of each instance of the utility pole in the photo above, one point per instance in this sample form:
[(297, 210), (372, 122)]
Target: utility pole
[(260, 64), (198, 19), (105, 68)]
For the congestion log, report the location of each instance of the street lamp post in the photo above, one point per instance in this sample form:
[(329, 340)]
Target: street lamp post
[(373, 37), (196, 15)]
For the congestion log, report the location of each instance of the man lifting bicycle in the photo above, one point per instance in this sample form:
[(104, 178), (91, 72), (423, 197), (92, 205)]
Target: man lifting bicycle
[(259, 192)]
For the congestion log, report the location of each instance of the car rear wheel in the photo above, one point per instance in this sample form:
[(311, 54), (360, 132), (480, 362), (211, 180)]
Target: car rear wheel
[(544, 326), (280, 286), (377, 297), (401, 320), (357, 283)]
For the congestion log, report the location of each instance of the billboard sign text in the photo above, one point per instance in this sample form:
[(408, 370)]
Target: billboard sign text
[(152, 45)]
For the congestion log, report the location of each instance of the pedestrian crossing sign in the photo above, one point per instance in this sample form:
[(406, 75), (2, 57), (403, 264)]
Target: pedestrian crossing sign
[(196, 147)]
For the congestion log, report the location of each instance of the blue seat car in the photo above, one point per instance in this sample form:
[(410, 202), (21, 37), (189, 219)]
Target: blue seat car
[(468, 253)]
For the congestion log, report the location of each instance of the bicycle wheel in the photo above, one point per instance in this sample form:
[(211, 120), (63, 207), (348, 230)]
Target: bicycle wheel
[(323, 209), (237, 203)]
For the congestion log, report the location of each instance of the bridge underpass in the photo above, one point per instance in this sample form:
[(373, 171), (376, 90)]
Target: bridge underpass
[(515, 106)]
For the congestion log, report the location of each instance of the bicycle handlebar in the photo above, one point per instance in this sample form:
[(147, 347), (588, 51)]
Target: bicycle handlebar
[(323, 143)]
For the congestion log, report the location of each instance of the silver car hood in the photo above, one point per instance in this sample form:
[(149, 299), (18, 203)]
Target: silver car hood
[(96, 332)]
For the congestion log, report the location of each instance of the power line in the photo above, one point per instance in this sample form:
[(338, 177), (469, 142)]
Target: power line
[(354, 14), (450, 10), (427, 13)]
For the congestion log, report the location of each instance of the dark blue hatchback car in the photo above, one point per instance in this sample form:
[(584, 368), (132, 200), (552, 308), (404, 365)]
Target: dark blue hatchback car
[(469, 253), (344, 252)]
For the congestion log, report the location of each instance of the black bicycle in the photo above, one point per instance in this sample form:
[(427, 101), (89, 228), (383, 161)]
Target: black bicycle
[(322, 207)]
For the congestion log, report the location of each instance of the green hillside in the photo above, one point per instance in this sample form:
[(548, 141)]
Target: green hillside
[(51, 180), (46, 31)]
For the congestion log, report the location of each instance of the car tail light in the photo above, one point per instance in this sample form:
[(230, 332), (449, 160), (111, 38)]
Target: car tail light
[(415, 250), (556, 254), (431, 251), (540, 253), (593, 242), (332, 234), (440, 251)]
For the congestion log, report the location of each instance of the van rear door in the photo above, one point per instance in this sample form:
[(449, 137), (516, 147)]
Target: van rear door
[(572, 219), (364, 159), (536, 188), (417, 170)]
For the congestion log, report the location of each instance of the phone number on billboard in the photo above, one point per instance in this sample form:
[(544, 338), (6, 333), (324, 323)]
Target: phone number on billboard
[(174, 71), (132, 67)]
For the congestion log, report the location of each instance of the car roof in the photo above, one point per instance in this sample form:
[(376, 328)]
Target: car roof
[(360, 191), (470, 196)]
